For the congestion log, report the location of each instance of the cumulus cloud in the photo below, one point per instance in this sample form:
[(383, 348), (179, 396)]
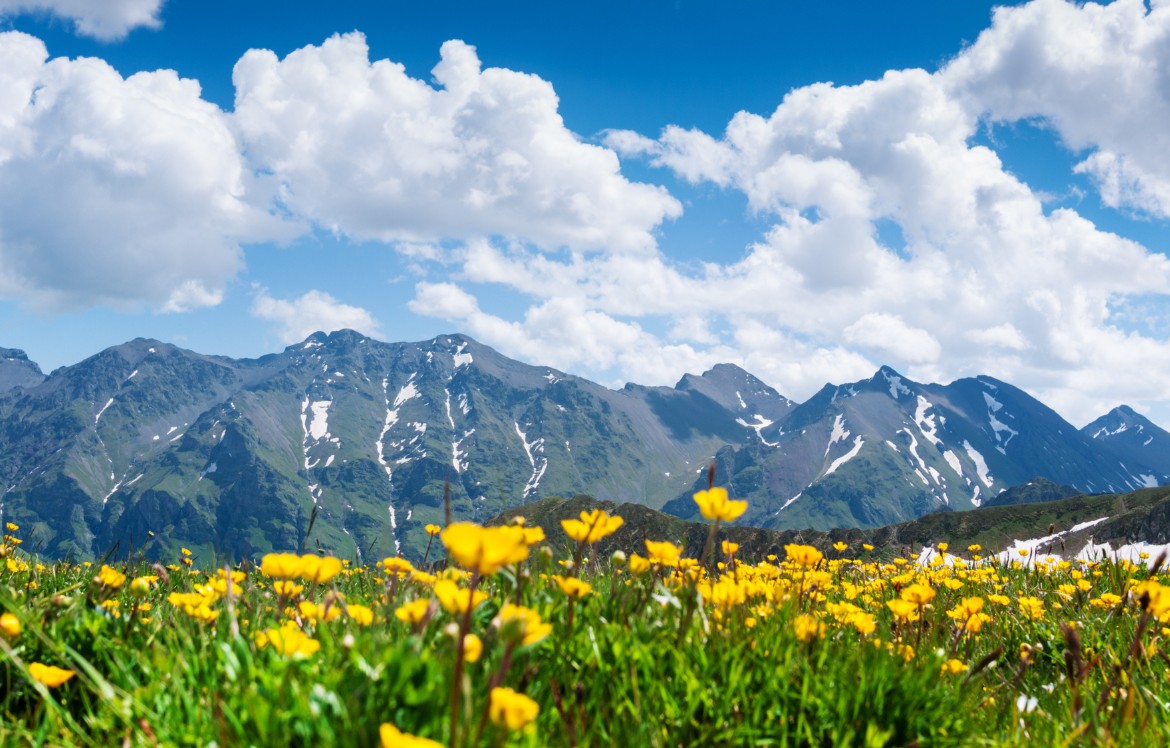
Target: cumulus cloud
[(314, 311), (988, 280), (361, 148), (107, 20), (1096, 74), (115, 191)]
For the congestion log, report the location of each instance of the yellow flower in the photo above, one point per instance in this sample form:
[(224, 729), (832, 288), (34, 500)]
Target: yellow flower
[(954, 667), (398, 566), (714, 504), (9, 626), (392, 737), (484, 549), (808, 628), (433, 529), (12, 527), (518, 622), (942, 547), (638, 564), (572, 586), (454, 600), (312, 612), (472, 648), (803, 555), (592, 527), (110, 577), (903, 609), (533, 535), (287, 588), (729, 548), (185, 552), (919, 594), (319, 569), (289, 641), (359, 614), (840, 547), (513, 710), (140, 586), (867, 546), (1033, 606), (662, 552), (47, 675), (413, 612), (974, 548), (281, 565)]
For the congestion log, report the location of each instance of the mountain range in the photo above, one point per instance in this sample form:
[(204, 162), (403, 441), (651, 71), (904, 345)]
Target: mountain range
[(348, 444)]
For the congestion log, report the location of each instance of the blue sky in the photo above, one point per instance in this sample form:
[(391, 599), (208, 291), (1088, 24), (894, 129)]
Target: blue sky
[(626, 191)]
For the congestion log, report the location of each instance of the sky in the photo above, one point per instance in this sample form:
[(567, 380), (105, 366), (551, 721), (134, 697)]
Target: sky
[(627, 191)]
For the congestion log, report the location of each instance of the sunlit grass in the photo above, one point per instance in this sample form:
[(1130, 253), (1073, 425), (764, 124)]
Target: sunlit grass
[(518, 643)]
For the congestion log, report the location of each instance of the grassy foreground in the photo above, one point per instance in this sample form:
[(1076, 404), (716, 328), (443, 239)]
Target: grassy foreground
[(519, 644)]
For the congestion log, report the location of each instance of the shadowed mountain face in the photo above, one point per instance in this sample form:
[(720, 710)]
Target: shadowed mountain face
[(1132, 437), (232, 456), (149, 445), (887, 449)]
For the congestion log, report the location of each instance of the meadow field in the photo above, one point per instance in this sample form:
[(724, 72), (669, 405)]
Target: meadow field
[(496, 638)]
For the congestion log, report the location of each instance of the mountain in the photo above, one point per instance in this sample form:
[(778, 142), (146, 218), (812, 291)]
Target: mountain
[(233, 456), (887, 449), (17, 371), (1036, 490), (1132, 437), (1067, 525), (347, 444)]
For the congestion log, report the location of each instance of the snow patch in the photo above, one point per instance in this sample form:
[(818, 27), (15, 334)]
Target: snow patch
[(461, 358), (739, 397), (840, 433), (98, 417), (760, 424), (998, 426), (980, 464), (845, 457), (926, 422), (535, 452)]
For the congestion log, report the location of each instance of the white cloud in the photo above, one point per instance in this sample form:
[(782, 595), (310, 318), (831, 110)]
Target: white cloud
[(107, 20), (114, 191), (314, 311), (363, 149), (1094, 73), (989, 280)]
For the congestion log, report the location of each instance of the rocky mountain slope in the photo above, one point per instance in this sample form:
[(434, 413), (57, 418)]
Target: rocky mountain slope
[(147, 446)]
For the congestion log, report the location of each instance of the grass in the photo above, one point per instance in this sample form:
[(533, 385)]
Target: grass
[(783, 651)]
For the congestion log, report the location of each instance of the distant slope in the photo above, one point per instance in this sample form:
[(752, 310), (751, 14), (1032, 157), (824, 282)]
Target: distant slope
[(1132, 437), (1142, 515), (17, 371), (1037, 489)]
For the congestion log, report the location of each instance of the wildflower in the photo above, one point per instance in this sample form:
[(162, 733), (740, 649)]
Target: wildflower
[(942, 547), (289, 641), (392, 737), (454, 600), (513, 710), (9, 626), (281, 565), (472, 648), (919, 594), (484, 549), (840, 547), (398, 566), (140, 586), (359, 614), (110, 577), (572, 587), (184, 551), (808, 628), (592, 526), (803, 555), (1023, 552), (518, 622), (903, 610), (319, 570), (663, 552), (48, 675), (287, 588), (11, 527), (310, 611), (534, 535), (867, 546), (413, 612), (954, 667), (729, 548), (974, 548), (714, 504), (433, 529), (638, 564), (1033, 606)]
